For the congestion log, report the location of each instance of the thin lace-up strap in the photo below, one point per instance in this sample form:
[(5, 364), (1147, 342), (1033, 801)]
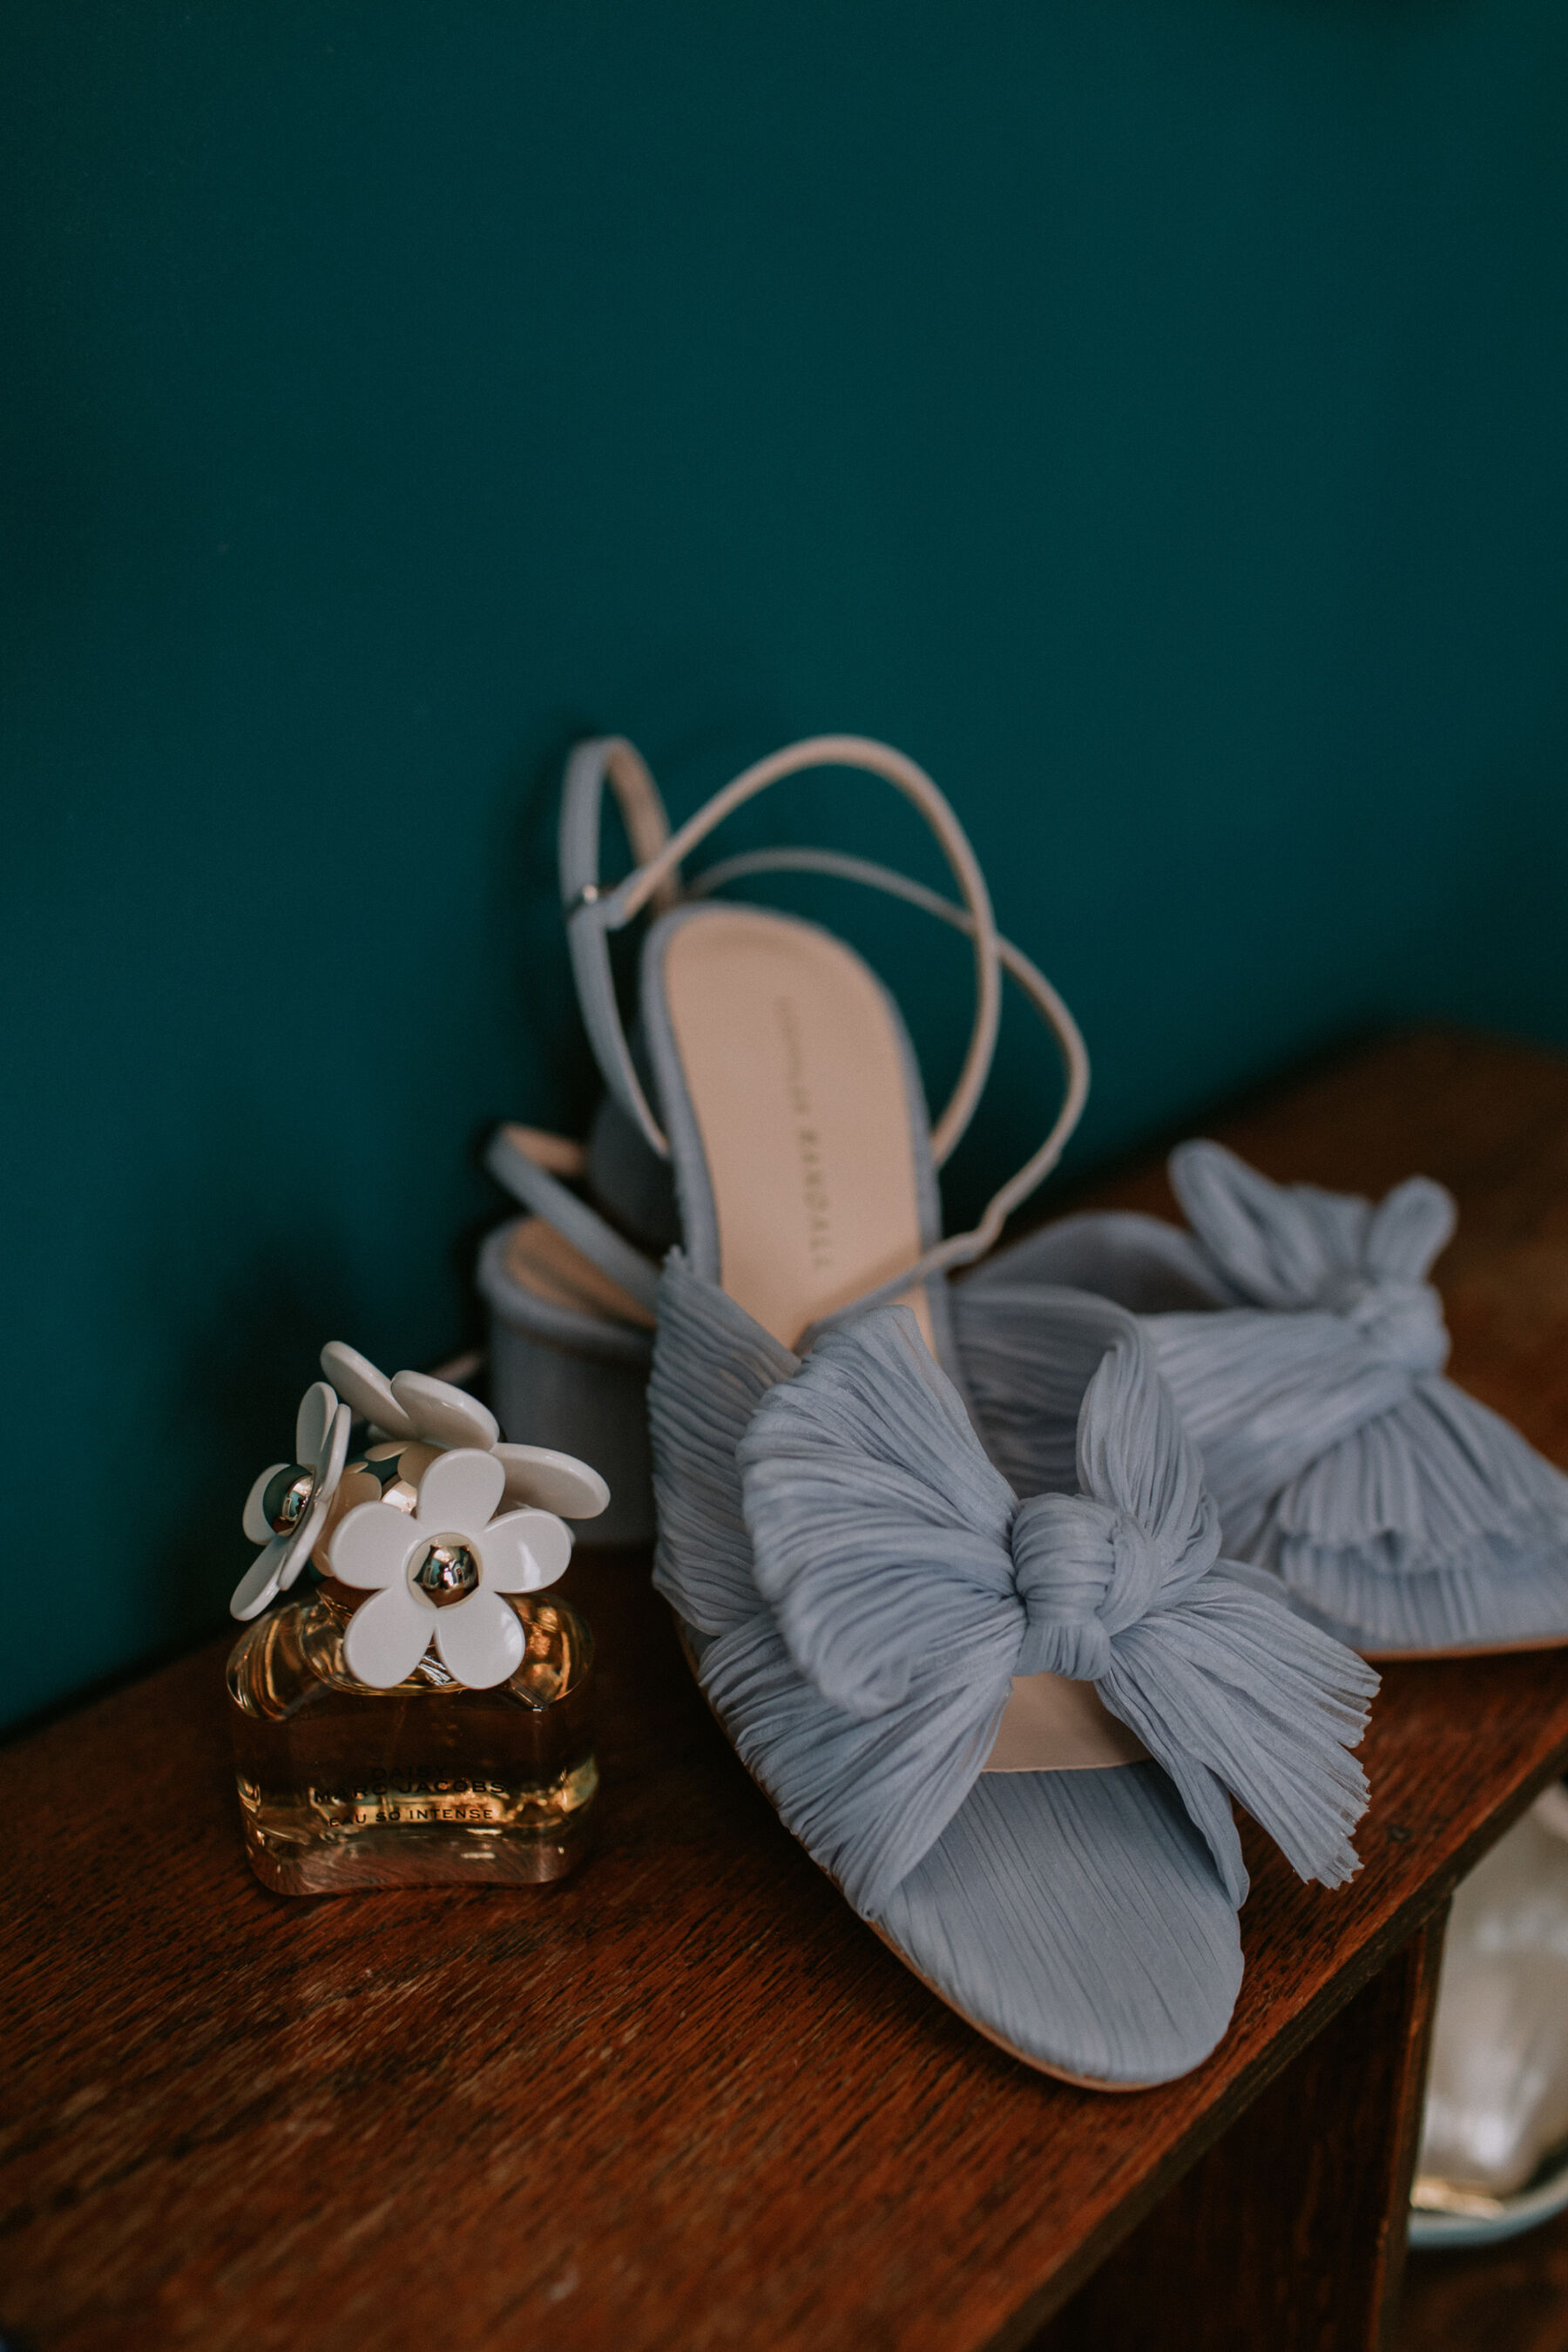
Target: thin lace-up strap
[(519, 1157), (1051, 1008), (610, 760), (512, 1163), (592, 913)]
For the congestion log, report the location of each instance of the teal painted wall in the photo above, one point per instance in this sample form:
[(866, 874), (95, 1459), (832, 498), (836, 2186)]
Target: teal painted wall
[(1149, 413)]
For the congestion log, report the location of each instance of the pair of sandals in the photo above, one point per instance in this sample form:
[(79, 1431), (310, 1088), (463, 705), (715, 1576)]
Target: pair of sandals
[(1004, 1589)]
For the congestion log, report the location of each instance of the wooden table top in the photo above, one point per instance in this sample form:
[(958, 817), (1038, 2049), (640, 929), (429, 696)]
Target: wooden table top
[(684, 2099)]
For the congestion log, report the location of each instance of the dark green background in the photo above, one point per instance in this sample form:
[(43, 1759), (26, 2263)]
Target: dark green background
[(1149, 413)]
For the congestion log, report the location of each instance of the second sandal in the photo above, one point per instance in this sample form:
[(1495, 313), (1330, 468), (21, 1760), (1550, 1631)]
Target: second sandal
[(1305, 1347)]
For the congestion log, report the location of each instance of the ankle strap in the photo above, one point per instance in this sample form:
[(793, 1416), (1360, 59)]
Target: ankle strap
[(514, 1159), (593, 913), (610, 760)]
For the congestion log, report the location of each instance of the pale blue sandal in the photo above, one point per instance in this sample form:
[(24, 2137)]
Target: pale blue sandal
[(1305, 1349), (1006, 1729)]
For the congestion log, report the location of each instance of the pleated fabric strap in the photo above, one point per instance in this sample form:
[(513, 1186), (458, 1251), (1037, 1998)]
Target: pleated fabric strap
[(875, 1584)]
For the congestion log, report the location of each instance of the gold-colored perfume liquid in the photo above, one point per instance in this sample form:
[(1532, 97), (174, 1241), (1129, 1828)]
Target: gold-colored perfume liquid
[(343, 1788)]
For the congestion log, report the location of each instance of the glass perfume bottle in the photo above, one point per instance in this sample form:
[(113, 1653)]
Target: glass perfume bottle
[(419, 1712), (343, 1786)]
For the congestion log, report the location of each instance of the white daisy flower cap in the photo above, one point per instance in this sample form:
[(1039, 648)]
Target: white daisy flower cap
[(420, 1409), (409, 1404), (442, 1574), (291, 1508)]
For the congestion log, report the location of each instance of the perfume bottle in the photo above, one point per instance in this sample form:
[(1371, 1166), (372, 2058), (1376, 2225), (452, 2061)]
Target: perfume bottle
[(419, 1712), (342, 1785)]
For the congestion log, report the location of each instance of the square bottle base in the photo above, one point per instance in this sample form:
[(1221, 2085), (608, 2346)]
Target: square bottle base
[(344, 1790)]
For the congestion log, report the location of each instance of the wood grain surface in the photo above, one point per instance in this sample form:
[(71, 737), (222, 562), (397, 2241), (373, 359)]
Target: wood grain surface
[(1290, 2233), (684, 2099)]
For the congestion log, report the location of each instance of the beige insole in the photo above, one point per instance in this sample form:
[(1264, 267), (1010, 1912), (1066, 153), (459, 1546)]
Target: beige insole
[(801, 1094), (799, 1090)]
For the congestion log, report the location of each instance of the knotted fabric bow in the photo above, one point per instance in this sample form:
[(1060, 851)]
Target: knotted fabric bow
[(1334, 1322), (863, 1641), (1338, 1454)]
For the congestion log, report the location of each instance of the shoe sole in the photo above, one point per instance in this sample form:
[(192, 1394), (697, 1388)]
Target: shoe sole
[(997, 2041), (1463, 1650)]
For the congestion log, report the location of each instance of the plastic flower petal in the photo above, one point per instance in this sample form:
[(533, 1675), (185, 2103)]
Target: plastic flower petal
[(480, 1640), (322, 1443), (443, 1414), (525, 1551), (551, 1481), (374, 1544), (388, 1634), (415, 1405), (257, 1586), (460, 1491), (328, 1464), (410, 1404), (369, 1391), (313, 1425)]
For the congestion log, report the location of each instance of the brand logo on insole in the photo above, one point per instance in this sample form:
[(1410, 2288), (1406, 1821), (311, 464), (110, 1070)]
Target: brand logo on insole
[(808, 1139)]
